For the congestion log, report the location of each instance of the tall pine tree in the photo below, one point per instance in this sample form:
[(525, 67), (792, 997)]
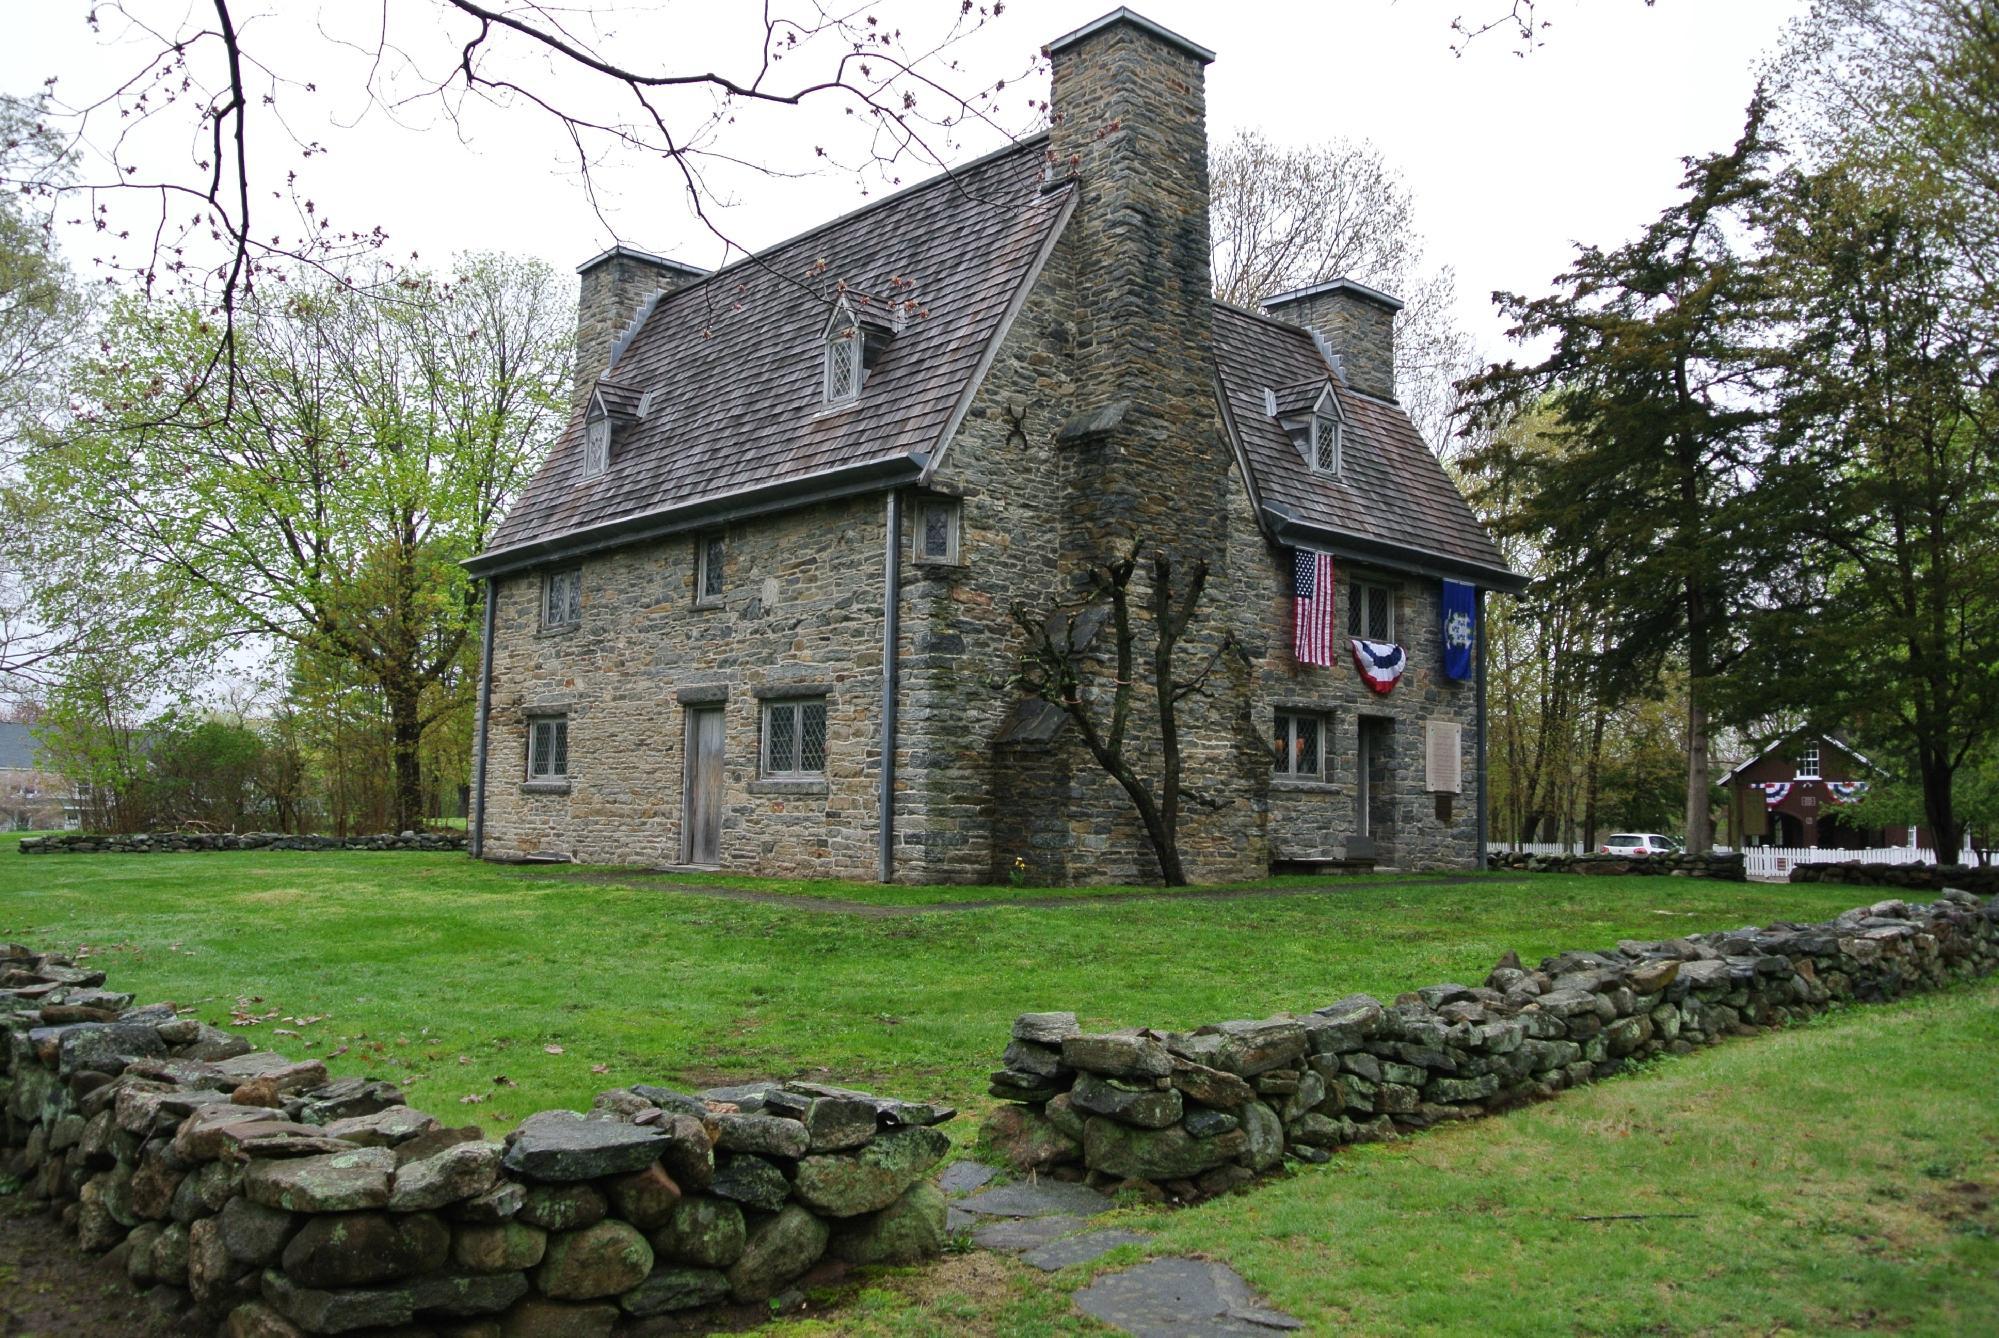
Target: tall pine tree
[(1654, 383)]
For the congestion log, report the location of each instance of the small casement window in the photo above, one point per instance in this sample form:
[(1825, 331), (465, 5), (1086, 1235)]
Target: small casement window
[(937, 529), (1808, 762), (1370, 611), (1325, 443), (548, 747), (1300, 740), (710, 556), (562, 598), (843, 362), (795, 738), (596, 443)]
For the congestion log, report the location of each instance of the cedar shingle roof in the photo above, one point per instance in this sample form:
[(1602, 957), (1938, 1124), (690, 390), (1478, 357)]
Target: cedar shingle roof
[(734, 360), (1391, 492)]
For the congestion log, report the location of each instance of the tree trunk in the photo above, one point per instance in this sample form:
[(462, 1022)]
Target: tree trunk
[(1592, 781), (1700, 833), (406, 729), (1946, 832)]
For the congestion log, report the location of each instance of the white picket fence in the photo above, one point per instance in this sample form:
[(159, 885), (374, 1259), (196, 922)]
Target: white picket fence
[(1773, 861), (1777, 861)]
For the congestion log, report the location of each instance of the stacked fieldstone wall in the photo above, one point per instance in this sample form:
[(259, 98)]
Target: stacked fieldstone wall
[(1983, 880), (1719, 864), (1196, 1113), (256, 1190), (155, 843)]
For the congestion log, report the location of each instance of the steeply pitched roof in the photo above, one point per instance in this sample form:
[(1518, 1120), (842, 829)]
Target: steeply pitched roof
[(18, 749), (734, 360), (1391, 494), (1795, 736)]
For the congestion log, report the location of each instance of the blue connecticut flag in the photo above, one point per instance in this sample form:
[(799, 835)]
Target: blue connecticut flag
[(1460, 628)]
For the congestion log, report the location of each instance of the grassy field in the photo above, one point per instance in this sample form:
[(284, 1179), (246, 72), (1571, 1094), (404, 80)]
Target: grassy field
[(1839, 1177), (449, 976)]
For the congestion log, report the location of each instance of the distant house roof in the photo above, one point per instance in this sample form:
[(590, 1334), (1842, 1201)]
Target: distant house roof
[(1791, 738), (19, 750), (1391, 495), (734, 361)]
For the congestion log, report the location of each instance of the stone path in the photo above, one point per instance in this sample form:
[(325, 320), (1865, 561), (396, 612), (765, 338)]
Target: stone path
[(1048, 1225), (658, 882)]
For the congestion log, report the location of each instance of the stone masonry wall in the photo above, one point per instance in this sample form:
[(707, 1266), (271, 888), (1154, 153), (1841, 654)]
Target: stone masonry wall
[(256, 1191), (801, 613), (1195, 1113), (1315, 819), (1726, 866)]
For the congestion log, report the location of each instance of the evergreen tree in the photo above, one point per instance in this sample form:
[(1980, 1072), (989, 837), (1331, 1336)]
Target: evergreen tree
[(1654, 382)]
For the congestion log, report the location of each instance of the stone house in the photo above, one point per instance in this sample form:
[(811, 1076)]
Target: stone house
[(33, 795), (756, 610)]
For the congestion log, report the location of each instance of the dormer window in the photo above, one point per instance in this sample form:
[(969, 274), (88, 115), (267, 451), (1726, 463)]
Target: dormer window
[(853, 346), (1310, 415), (612, 408)]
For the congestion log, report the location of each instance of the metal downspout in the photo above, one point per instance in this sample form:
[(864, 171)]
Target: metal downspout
[(1479, 613), (891, 644), (485, 709)]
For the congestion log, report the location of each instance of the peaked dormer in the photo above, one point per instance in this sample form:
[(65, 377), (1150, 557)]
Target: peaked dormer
[(854, 345), (613, 409), (1310, 415)]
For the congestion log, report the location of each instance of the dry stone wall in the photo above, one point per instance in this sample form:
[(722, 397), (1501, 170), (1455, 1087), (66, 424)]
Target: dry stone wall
[(284, 1203), (1915, 877), (157, 843), (1196, 1113), (1724, 865)]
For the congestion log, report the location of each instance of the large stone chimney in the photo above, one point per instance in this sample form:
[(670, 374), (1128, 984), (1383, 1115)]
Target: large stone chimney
[(1354, 322), (1130, 126), (612, 289)]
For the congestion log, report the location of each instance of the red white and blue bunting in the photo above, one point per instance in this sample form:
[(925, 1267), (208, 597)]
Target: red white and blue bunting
[(1775, 792), (1380, 663), (1845, 792)]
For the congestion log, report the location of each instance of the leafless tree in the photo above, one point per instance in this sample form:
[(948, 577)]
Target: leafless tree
[(1519, 19), (1063, 667), (242, 82), (1284, 218)]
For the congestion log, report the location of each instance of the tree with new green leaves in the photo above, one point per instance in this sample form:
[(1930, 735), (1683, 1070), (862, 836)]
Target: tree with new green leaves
[(323, 502), (1886, 472), (1654, 379)]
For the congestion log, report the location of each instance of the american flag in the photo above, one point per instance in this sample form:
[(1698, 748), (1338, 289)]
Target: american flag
[(1312, 607)]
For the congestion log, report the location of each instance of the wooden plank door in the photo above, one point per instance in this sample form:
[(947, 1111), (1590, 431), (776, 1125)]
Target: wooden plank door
[(703, 818)]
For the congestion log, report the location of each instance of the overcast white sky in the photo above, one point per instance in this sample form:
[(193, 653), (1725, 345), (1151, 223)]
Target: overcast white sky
[(1510, 159)]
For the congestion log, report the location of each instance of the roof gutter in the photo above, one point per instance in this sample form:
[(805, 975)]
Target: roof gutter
[(1286, 528), (847, 481)]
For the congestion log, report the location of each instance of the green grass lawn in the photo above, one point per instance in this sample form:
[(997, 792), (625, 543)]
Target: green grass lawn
[(448, 975), (1837, 1178), (528, 989)]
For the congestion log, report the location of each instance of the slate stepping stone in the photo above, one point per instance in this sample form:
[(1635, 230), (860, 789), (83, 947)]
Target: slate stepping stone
[(1081, 1249), (956, 1219), (1042, 1199), (1027, 1233), (962, 1177), (1180, 1298)]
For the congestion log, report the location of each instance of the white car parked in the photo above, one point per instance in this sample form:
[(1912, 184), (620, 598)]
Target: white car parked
[(1640, 843)]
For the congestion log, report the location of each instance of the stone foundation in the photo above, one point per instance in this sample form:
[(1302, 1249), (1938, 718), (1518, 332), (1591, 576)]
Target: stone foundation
[(282, 1203), (1197, 1113)]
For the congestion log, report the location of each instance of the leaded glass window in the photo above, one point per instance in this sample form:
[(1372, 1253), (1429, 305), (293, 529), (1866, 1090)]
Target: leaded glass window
[(548, 747), (1370, 611), (1299, 737), (795, 738)]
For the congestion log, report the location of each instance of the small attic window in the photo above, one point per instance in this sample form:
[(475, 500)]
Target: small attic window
[(843, 362), (853, 346), (1325, 443), (596, 442)]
